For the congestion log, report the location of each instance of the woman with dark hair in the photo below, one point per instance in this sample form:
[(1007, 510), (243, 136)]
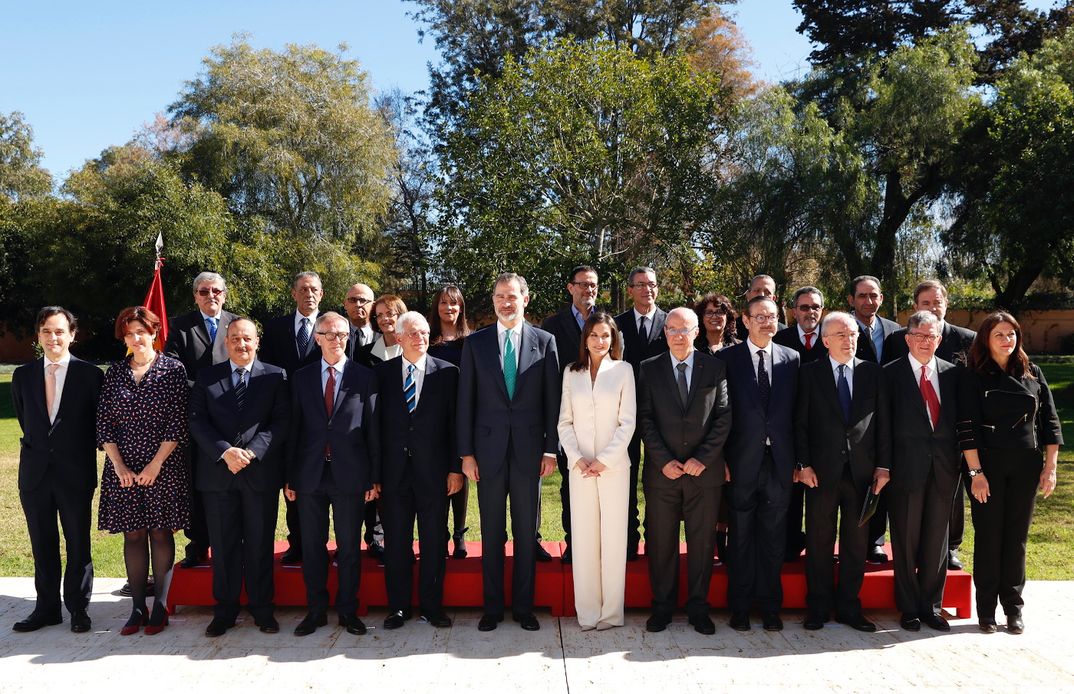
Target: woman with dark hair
[(142, 427), (596, 420), (447, 330), (1009, 432), (717, 321), (386, 310)]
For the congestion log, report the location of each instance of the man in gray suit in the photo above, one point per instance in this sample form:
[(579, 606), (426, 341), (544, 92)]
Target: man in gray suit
[(509, 386)]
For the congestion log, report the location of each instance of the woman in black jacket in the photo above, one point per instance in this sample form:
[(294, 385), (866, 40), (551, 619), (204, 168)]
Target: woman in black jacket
[(1007, 420)]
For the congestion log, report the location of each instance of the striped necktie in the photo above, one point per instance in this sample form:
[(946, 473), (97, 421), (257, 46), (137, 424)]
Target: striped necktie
[(410, 389), (240, 389)]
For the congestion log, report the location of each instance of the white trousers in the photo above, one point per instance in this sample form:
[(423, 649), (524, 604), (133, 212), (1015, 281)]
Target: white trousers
[(598, 546)]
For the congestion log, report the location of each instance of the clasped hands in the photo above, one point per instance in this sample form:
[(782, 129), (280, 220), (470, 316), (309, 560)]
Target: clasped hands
[(129, 478), (673, 469), (590, 467), (237, 459)]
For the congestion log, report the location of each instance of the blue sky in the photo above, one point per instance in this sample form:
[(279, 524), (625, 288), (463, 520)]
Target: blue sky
[(87, 75)]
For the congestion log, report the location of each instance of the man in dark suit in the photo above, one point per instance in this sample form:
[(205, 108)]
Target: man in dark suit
[(836, 437), (955, 341), (328, 467), (55, 401), (642, 328), (760, 286), (920, 447), (239, 414), (803, 337), (685, 419), (198, 339), (509, 386), (358, 303), (287, 342), (566, 327), (415, 468), (762, 378)]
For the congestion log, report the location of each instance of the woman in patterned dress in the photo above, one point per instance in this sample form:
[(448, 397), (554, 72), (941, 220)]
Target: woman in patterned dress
[(142, 427)]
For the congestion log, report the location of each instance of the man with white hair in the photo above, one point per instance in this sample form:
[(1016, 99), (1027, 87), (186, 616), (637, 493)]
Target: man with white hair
[(414, 468)]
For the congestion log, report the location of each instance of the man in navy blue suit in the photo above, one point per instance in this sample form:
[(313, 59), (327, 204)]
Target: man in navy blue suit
[(509, 386), (328, 467), (762, 377), (239, 413), (415, 468)]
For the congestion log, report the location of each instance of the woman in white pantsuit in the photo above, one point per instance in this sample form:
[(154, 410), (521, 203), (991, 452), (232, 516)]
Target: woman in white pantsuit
[(596, 421)]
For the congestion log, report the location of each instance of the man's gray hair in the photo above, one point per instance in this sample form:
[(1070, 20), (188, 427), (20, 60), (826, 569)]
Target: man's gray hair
[(407, 319), (641, 269), (327, 316), (303, 275), (213, 277), (838, 317), (923, 319), (505, 277), (798, 293)]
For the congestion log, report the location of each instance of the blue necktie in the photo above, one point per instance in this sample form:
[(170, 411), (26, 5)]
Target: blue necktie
[(844, 393), (410, 389), (303, 338), (510, 368), (210, 323)]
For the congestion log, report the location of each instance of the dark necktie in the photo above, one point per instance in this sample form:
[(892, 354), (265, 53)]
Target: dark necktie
[(329, 402), (240, 389), (303, 337), (844, 393), (684, 390), (410, 389), (932, 403), (869, 338), (764, 386), (643, 332)]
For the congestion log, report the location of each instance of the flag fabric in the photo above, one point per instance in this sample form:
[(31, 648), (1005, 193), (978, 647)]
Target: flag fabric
[(154, 298)]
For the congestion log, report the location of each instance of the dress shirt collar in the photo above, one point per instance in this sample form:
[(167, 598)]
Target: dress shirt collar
[(754, 349), (836, 365), (650, 315), (419, 365), (205, 316), (338, 366), (235, 367), (64, 361), (815, 333), (689, 361), (313, 322)]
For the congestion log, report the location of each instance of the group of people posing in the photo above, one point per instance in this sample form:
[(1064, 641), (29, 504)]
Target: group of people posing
[(380, 416)]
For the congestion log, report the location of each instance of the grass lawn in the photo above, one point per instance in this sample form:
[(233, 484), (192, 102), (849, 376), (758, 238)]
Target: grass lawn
[(1051, 539)]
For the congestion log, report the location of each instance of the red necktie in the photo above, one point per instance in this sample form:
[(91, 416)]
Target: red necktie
[(329, 400), (809, 340), (932, 403)]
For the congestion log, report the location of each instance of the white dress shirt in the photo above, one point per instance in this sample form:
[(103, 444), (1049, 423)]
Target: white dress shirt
[(418, 375), (61, 376)]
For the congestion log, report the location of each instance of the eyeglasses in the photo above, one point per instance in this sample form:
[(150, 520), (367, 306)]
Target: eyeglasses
[(644, 285), (585, 285), (415, 333), (712, 313), (763, 318), (333, 337), (924, 337), (358, 300), (206, 291), (387, 315), (809, 307)]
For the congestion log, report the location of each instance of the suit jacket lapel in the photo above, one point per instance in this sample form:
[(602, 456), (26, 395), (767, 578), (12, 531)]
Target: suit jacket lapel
[(37, 388), (487, 350), (695, 379), (830, 389), (668, 377), (914, 390), (861, 390), (527, 353), (430, 369), (657, 328)]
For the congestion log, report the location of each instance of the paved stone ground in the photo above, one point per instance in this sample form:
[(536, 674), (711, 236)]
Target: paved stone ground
[(558, 658)]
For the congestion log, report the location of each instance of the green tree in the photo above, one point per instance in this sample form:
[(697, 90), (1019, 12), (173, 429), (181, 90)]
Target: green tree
[(290, 138), (21, 174), (580, 152)]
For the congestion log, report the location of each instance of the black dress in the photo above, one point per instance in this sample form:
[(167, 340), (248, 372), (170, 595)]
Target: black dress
[(138, 417)]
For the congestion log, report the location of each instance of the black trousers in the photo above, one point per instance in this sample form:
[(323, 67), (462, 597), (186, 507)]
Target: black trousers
[(796, 538), (839, 497), (564, 495), (1001, 528), (294, 525), (346, 507), (756, 542), (399, 507), (919, 520), (458, 503), (242, 528), (198, 532), (517, 479), (633, 517), (41, 506), (697, 505)]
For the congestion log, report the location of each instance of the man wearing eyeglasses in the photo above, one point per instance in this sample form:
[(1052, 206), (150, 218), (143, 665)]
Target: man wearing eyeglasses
[(762, 379), (642, 327), (199, 340), (566, 327), (328, 468), (760, 286), (358, 304), (920, 447)]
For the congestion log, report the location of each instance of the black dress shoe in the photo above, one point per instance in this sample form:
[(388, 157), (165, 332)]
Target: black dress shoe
[(987, 625), (375, 549), (80, 622), (292, 557), (567, 557), (37, 620), (436, 619), (310, 622), (194, 560), (489, 622), (395, 620), (876, 555), (935, 621), (657, 623), (528, 621), (269, 626), (857, 622), (126, 592), (460, 550), (702, 624), (219, 627), (740, 621), (814, 622), (353, 624), (1015, 625), (542, 553), (953, 562), (910, 622), (771, 621)]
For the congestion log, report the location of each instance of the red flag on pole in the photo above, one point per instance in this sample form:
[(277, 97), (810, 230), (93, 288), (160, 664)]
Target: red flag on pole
[(154, 298)]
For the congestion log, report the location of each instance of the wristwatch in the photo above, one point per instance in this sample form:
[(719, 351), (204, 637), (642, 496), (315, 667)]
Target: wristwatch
[(974, 473)]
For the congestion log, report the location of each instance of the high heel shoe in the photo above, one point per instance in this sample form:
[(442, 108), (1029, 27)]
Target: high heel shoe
[(137, 620), (157, 621)]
